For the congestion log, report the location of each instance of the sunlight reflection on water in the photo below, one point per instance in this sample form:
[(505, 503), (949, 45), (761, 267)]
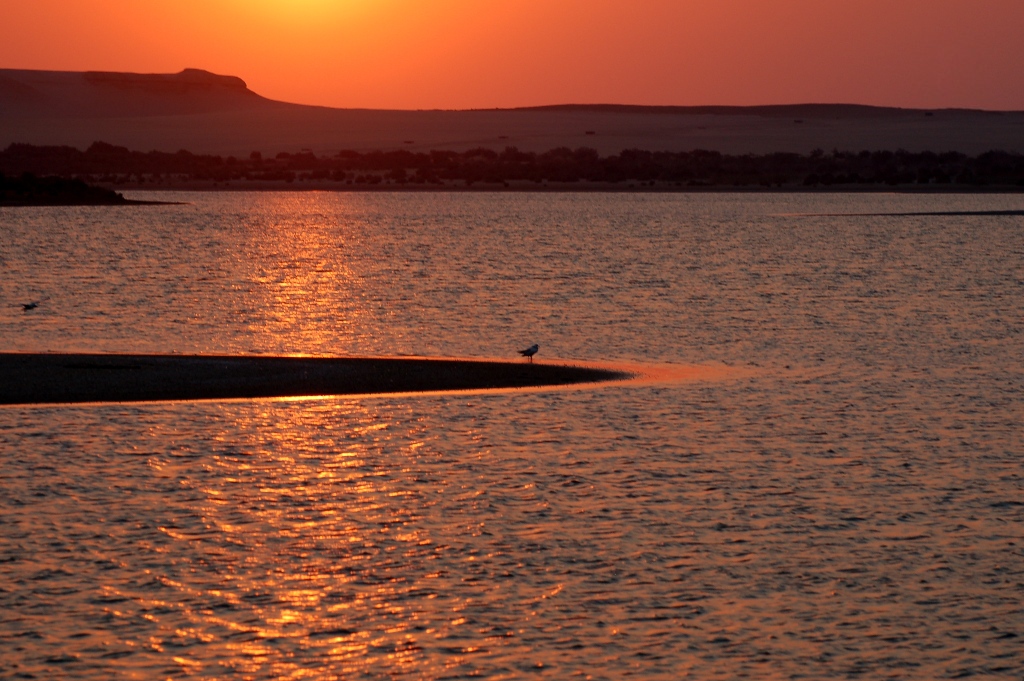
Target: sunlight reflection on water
[(846, 503)]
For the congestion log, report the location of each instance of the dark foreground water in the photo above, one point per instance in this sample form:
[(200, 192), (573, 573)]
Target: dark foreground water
[(841, 497)]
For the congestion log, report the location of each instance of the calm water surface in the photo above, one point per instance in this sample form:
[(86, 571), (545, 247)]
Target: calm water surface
[(848, 504)]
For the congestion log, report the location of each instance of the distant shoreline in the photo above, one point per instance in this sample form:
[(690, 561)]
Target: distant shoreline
[(562, 188), (547, 189), (102, 168), (518, 188), (70, 203), (28, 190)]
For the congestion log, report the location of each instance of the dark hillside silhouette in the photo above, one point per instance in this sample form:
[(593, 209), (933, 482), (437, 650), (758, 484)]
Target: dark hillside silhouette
[(787, 111), (100, 94), (214, 114)]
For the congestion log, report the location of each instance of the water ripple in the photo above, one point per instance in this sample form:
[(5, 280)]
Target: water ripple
[(847, 504)]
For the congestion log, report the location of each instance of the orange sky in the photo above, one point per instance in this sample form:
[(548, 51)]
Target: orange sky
[(414, 54)]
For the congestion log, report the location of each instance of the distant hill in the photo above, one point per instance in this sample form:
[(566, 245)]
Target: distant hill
[(214, 114), (100, 94), (792, 112)]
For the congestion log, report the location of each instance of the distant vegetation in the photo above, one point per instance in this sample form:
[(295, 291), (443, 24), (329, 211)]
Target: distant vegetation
[(112, 165), (29, 190)]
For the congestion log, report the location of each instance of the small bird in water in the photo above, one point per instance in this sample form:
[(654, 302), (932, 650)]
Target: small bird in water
[(34, 304), (530, 351)]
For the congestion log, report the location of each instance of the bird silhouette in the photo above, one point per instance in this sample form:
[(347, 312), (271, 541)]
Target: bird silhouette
[(34, 304), (530, 352)]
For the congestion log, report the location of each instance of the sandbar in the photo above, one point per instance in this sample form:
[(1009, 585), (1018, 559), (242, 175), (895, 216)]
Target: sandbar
[(45, 378)]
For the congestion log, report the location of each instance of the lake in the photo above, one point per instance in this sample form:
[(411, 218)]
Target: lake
[(841, 496)]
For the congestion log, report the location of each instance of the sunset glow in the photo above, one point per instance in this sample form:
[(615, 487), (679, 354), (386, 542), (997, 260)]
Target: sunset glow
[(306, 14), (463, 54)]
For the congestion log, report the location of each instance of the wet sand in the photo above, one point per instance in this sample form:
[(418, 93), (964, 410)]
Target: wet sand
[(70, 378)]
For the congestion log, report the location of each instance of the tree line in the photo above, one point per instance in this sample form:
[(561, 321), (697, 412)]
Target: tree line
[(108, 164)]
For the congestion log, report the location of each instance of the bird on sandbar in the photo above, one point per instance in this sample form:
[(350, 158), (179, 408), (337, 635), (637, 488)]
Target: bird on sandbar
[(530, 352)]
